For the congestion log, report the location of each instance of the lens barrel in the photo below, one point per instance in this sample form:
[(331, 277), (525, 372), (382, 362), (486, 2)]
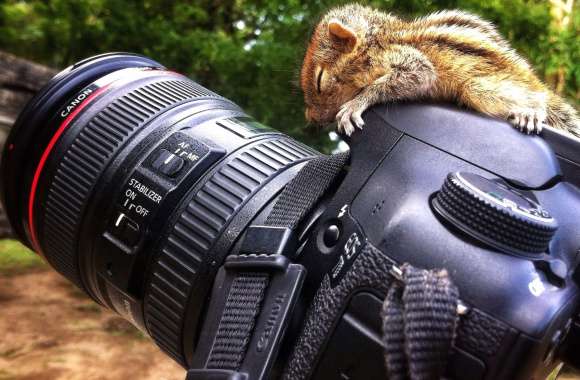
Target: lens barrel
[(135, 183)]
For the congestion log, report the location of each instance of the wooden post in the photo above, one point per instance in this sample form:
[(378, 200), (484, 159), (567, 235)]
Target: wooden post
[(20, 79)]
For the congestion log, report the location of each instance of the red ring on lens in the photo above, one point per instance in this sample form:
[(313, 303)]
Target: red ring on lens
[(63, 126)]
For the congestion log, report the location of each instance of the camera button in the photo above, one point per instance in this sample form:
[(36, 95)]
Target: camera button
[(556, 270), (167, 163), (331, 235), (126, 230)]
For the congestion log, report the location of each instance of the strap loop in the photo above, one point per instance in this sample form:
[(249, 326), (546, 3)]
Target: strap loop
[(237, 321), (305, 190), (419, 324)]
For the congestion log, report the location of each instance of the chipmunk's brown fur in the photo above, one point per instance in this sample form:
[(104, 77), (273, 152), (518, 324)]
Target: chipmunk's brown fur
[(359, 56)]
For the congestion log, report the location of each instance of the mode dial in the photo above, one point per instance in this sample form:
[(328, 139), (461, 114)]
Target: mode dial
[(495, 213)]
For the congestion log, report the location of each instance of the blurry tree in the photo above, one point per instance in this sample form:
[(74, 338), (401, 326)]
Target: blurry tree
[(251, 50), (562, 31)]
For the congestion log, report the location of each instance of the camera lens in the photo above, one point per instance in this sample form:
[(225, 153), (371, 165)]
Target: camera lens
[(135, 183)]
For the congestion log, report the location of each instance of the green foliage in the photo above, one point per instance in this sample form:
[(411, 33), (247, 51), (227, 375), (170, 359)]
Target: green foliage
[(248, 50), (16, 258)]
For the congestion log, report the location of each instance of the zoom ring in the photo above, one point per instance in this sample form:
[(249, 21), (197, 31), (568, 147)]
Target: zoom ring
[(87, 157), (185, 254)]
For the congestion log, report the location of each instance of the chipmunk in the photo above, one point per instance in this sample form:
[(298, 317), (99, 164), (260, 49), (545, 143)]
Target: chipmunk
[(359, 56)]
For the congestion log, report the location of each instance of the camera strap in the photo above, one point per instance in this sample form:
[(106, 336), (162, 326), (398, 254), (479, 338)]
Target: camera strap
[(420, 320), (255, 291)]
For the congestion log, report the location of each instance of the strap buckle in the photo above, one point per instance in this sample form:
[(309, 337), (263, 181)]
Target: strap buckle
[(258, 292), (269, 240)]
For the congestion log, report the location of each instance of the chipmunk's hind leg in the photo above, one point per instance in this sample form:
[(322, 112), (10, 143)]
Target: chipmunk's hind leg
[(523, 108)]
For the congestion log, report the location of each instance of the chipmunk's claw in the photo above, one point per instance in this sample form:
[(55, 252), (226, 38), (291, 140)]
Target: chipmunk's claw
[(349, 116), (357, 119), (344, 121), (528, 120)]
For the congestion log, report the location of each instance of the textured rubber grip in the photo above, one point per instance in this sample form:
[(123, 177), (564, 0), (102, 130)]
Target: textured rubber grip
[(186, 252), (88, 155)]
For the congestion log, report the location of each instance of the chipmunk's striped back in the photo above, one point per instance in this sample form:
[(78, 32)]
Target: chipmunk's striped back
[(359, 56)]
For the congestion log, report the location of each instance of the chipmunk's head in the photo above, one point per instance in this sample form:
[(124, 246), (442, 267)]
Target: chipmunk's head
[(337, 64)]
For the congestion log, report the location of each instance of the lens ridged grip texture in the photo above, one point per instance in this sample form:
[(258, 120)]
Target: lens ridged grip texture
[(87, 157), (185, 253), (490, 222)]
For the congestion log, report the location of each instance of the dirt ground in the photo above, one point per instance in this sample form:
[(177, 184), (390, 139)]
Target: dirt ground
[(49, 330)]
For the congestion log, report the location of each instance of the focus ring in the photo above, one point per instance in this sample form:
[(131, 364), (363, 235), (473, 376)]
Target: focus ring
[(88, 155), (184, 255)]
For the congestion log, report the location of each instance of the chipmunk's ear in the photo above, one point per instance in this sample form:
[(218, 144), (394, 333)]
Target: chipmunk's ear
[(343, 37)]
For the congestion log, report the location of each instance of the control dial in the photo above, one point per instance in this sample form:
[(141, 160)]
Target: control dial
[(496, 214)]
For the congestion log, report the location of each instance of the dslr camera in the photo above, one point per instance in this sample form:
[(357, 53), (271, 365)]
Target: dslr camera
[(444, 244)]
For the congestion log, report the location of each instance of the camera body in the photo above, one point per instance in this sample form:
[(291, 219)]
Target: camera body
[(520, 306)]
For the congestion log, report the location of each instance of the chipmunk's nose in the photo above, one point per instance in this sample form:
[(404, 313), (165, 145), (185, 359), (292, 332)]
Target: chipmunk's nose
[(318, 117)]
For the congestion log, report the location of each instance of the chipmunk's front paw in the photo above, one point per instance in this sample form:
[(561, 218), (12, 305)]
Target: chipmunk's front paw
[(528, 120), (350, 115)]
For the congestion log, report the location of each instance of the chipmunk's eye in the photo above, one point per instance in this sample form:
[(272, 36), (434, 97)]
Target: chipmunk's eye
[(319, 80)]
